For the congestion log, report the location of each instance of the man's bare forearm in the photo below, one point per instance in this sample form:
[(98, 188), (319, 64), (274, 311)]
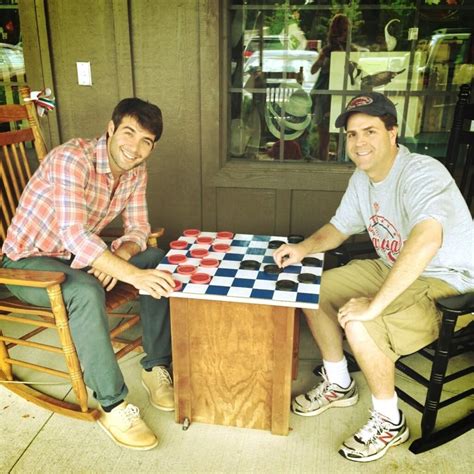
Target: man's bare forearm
[(115, 266), (127, 250), (326, 238)]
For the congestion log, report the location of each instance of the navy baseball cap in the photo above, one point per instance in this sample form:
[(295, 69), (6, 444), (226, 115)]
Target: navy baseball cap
[(370, 103)]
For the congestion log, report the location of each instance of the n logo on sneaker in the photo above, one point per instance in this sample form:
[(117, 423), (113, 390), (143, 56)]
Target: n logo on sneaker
[(386, 437), (331, 396)]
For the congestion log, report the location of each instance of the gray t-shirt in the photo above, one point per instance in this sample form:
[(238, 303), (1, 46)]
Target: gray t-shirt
[(418, 187)]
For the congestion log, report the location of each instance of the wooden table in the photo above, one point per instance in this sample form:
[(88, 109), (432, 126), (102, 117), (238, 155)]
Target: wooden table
[(232, 363), (233, 359)]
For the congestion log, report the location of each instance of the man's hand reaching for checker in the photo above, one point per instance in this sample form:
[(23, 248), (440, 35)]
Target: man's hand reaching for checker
[(152, 281), (289, 254)]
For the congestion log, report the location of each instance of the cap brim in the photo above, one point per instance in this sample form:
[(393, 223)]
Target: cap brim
[(341, 120)]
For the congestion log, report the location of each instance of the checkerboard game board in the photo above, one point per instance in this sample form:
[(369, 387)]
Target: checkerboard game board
[(230, 283)]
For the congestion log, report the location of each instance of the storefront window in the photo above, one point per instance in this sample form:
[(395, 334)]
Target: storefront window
[(12, 65), (295, 64)]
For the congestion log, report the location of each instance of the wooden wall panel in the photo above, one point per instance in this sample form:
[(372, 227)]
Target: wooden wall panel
[(213, 111), (83, 31), (246, 210), (37, 57), (311, 209), (165, 55)]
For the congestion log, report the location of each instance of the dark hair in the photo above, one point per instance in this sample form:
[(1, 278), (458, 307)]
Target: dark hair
[(389, 121), (338, 30), (147, 115)]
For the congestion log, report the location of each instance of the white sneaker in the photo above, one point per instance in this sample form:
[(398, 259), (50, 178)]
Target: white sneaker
[(126, 428), (372, 441), (323, 396)]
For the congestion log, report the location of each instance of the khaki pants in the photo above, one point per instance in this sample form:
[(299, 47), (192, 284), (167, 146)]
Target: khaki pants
[(409, 323)]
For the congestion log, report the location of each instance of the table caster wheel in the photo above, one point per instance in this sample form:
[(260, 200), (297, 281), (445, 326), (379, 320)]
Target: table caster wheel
[(186, 424)]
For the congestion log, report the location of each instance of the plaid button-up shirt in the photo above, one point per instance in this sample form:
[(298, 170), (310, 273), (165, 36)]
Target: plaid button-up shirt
[(70, 199)]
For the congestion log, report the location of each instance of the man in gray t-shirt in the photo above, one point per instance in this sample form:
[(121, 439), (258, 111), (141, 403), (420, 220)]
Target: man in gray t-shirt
[(422, 231)]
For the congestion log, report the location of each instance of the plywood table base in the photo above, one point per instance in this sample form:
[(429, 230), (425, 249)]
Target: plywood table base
[(232, 363)]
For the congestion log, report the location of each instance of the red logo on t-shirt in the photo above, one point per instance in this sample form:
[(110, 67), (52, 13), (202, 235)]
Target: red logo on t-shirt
[(385, 237)]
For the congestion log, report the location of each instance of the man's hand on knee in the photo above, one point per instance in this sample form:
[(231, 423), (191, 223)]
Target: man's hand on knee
[(356, 309)]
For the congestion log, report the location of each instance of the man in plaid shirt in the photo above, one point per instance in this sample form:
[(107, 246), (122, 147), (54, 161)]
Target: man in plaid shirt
[(79, 188)]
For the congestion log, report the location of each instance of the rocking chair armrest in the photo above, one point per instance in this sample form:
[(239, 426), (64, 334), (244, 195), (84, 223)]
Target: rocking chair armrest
[(31, 278), (458, 304), (155, 234)]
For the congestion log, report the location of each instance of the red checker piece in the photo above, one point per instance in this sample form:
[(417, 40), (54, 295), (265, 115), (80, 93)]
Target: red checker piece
[(204, 240), (186, 269), (201, 278), (224, 234), (191, 232), (178, 244), (199, 253), (177, 258), (221, 247), (179, 285), (209, 262)]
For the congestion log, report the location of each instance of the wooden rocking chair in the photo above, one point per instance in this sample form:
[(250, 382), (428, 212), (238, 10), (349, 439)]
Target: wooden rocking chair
[(15, 172)]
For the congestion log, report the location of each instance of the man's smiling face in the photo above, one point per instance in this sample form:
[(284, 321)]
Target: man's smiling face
[(370, 145), (128, 146)]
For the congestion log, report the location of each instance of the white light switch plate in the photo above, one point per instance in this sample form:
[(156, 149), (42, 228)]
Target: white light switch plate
[(84, 76)]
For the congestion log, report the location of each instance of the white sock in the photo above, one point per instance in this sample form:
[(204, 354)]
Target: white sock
[(388, 407), (337, 372)]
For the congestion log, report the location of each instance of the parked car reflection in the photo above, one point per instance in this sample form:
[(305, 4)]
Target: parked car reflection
[(12, 64), (269, 42), (280, 66), (12, 72), (449, 61)]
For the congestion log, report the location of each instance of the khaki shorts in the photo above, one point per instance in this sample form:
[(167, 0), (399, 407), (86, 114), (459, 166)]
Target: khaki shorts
[(409, 323)]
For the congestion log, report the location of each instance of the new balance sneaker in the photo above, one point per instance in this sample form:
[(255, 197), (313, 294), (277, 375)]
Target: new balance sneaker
[(126, 428), (159, 386), (372, 441), (323, 396)]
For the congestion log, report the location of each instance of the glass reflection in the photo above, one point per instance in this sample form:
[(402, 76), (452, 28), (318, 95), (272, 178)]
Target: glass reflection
[(293, 68)]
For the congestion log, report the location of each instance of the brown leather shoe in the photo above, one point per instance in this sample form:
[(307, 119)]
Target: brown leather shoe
[(126, 428), (159, 386)]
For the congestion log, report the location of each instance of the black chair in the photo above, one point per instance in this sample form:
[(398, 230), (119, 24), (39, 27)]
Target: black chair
[(451, 343), (461, 144)]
